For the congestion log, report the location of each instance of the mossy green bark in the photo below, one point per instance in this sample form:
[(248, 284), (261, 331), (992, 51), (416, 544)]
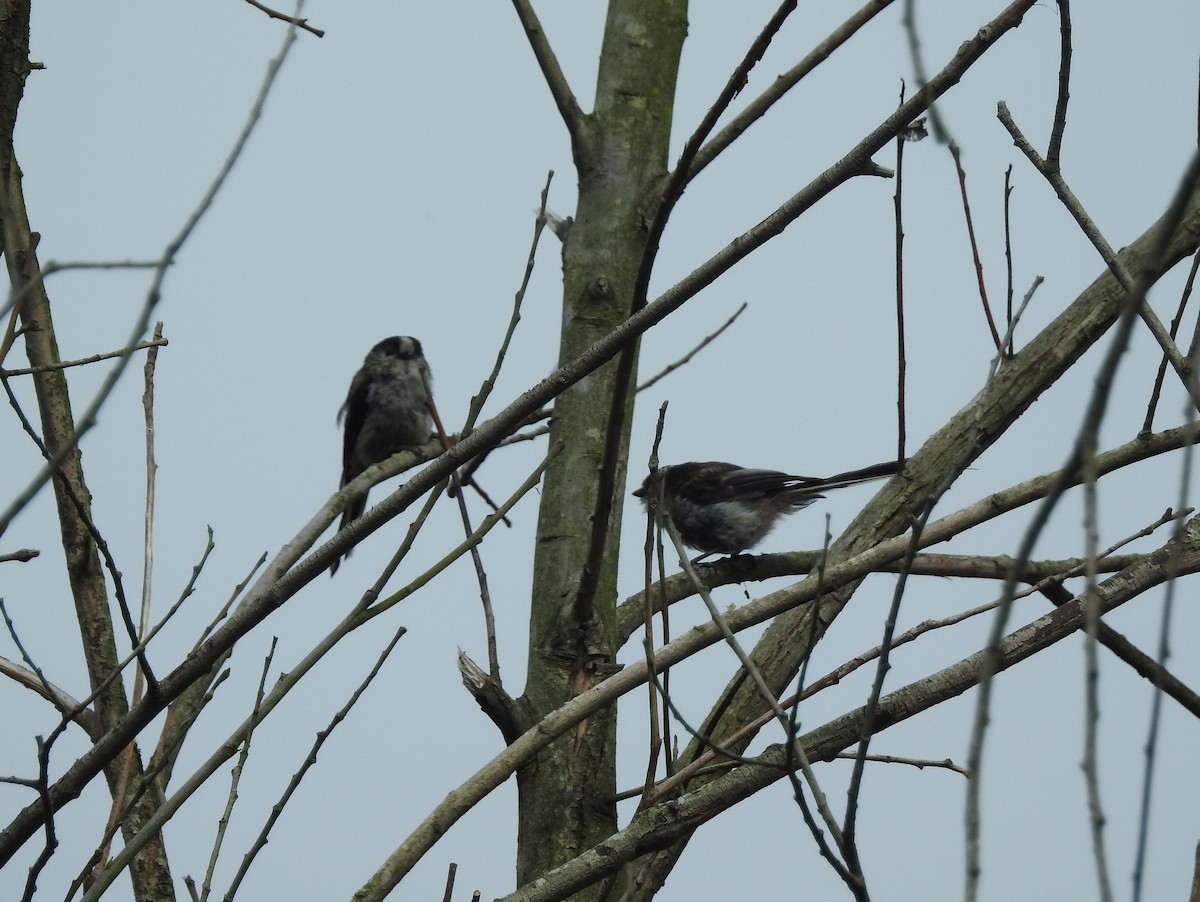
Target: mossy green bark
[(566, 796)]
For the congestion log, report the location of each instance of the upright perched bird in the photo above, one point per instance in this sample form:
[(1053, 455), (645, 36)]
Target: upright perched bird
[(385, 411), (723, 508)]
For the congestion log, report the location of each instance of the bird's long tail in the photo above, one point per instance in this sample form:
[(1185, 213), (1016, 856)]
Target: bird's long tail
[(352, 513), (853, 477)]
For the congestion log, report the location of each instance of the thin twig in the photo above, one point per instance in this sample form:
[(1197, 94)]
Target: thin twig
[(1016, 317), (291, 20), (485, 595), (941, 134), (83, 512), (84, 361), (51, 843), (757, 108), (686, 358), (652, 551), (48, 691), (1164, 653), (1176, 321), (682, 173), (871, 709), (756, 677), (854, 882), (277, 809), (1091, 613), (1127, 280), (151, 483), (956, 155), (16, 295), (1009, 347), (937, 126), (650, 790), (234, 595), (450, 872), (901, 359), (1064, 86), (236, 775), (857, 881), (489, 384), (724, 766), (42, 783)]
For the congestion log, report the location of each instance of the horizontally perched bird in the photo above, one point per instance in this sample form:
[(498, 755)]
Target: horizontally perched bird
[(723, 508), (385, 411)]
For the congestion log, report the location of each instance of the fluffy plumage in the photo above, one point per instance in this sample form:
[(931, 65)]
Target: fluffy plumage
[(723, 508), (385, 412)]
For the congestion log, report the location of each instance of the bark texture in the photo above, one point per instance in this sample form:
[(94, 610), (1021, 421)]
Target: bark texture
[(566, 796), (150, 872)]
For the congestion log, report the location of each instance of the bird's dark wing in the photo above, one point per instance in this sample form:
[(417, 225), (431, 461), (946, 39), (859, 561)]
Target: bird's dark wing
[(713, 481), (353, 413), (747, 484)]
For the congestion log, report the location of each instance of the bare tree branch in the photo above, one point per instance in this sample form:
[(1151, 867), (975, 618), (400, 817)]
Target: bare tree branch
[(1110, 257), (758, 107), (568, 107), (291, 20), (84, 361)]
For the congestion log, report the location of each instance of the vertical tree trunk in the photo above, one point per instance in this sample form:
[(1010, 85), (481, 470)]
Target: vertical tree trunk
[(150, 872), (566, 796)]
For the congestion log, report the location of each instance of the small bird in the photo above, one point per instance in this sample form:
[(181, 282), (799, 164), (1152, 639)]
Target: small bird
[(386, 410), (723, 508)]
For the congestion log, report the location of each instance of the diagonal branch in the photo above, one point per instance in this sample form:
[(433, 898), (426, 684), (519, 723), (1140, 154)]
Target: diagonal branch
[(71, 708), (758, 107), (1112, 260), (84, 361), (568, 107), (682, 174), (284, 17)]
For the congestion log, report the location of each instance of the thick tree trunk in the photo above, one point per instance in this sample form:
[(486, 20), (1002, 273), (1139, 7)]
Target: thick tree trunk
[(567, 796), (150, 872)]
